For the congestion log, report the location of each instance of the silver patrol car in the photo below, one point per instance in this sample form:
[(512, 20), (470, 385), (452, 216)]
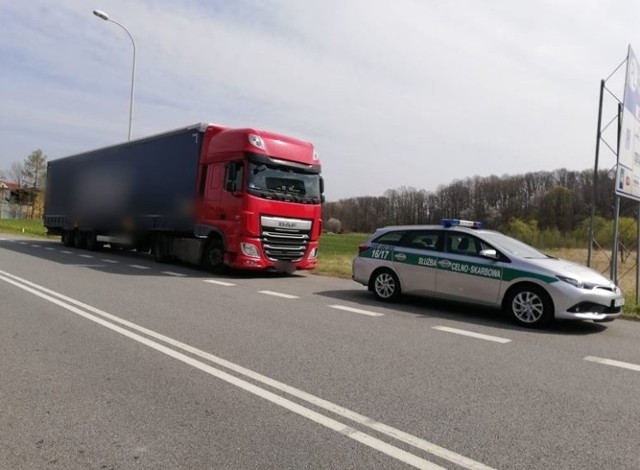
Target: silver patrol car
[(458, 260)]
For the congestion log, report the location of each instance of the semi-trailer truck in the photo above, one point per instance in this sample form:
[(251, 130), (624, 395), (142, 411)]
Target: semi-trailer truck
[(205, 194)]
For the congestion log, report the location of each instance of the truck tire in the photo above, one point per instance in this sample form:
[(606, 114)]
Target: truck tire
[(79, 240), (92, 241), (67, 238), (213, 257), (162, 248)]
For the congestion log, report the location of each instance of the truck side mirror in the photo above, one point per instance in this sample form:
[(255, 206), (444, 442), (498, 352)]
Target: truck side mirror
[(321, 185)]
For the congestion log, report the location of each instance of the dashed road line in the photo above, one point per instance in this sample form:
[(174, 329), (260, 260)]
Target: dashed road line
[(278, 294), (66, 252), (137, 266), (612, 362), (357, 310), (23, 243), (219, 283), (35, 246), (171, 273), (87, 256), (112, 261), (50, 249), (495, 339)]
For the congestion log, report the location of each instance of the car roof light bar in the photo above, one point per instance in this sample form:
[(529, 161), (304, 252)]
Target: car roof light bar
[(461, 223)]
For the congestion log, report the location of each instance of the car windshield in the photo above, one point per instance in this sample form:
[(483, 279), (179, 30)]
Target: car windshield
[(283, 183), (512, 246)]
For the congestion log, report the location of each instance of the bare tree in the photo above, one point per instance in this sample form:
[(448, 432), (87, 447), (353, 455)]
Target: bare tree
[(34, 172)]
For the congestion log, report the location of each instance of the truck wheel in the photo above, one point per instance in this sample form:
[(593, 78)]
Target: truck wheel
[(162, 248), (67, 238), (79, 240), (213, 257), (529, 305), (92, 241)]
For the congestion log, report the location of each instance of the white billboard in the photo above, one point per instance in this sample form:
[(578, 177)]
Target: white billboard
[(628, 178)]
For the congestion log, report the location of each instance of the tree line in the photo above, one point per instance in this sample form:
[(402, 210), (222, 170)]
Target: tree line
[(547, 202)]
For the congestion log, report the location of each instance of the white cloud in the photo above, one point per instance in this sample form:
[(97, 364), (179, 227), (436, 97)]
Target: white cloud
[(411, 92)]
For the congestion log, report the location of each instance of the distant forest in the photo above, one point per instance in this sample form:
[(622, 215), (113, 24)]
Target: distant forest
[(557, 203)]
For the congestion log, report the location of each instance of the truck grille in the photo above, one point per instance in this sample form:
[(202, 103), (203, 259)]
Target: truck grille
[(285, 239)]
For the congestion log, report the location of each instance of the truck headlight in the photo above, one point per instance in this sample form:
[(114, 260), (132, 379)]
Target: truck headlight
[(313, 254), (249, 249)]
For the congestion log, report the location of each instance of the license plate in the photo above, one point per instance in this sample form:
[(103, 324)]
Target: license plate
[(618, 302)]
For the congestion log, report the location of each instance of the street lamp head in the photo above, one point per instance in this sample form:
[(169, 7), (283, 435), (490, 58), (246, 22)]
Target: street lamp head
[(101, 14)]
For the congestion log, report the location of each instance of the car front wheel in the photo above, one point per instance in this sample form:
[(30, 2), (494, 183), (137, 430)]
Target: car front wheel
[(385, 285), (529, 306)]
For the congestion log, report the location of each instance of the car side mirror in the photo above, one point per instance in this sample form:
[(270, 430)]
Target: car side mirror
[(491, 254)]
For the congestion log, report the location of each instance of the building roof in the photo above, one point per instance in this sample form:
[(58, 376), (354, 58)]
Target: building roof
[(9, 185)]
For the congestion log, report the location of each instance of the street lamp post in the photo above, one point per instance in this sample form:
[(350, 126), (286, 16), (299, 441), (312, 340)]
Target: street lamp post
[(102, 15)]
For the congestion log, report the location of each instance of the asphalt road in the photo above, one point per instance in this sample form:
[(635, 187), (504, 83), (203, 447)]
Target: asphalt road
[(111, 361)]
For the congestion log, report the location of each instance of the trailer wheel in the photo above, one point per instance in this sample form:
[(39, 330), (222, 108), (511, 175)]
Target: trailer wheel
[(213, 256), (162, 248), (92, 241), (79, 240), (67, 238)]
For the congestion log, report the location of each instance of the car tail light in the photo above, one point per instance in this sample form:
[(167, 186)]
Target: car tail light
[(363, 247)]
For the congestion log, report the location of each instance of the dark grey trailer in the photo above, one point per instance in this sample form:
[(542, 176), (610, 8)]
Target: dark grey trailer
[(132, 188)]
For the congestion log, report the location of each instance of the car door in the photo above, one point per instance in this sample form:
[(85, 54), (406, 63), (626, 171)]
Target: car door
[(415, 261), (465, 275)]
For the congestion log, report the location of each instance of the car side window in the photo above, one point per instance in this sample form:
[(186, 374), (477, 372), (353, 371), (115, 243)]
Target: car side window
[(464, 244), (390, 238), (421, 240)]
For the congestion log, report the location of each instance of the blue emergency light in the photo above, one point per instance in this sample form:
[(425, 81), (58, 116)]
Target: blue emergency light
[(461, 223)]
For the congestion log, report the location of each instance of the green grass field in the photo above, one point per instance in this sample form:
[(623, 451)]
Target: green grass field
[(336, 252)]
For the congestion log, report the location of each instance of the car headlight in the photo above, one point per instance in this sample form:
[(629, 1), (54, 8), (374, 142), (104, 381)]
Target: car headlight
[(575, 283), (249, 249)]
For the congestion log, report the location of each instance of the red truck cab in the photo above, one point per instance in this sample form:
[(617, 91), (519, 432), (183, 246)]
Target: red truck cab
[(259, 200)]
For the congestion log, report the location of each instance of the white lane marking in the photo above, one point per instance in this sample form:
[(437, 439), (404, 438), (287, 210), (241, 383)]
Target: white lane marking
[(49, 248), (612, 362), (171, 273), (312, 415), (302, 395), (278, 294), (357, 310), (219, 283), (23, 243), (112, 261), (36, 246), (67, 252), (137, 266), (495, 339), (86, 256)]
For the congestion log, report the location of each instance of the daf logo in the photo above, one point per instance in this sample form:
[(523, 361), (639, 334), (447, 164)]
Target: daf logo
[(286, 224)]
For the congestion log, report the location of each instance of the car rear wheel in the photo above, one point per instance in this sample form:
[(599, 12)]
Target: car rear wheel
[(385, 285), (529, 306)]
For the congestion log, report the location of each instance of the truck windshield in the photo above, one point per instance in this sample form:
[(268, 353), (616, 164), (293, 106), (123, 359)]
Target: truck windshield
[(283, 183)]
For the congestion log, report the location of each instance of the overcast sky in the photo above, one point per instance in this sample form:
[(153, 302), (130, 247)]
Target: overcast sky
[(392, 93)]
